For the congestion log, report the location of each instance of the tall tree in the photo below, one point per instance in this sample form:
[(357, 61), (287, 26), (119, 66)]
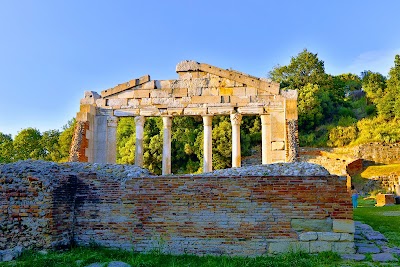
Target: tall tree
[(303, 69), (27, 145), (6, 148)]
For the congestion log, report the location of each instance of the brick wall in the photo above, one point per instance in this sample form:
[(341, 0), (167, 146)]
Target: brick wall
[(179, 214), (379, 152)]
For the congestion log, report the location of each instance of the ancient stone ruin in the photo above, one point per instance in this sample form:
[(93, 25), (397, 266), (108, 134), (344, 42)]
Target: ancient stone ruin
[(250, 211), (201, 90)]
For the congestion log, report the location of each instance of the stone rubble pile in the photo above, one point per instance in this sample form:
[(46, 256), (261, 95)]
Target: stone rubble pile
[(368, 241), (276, 169), (48, 170)]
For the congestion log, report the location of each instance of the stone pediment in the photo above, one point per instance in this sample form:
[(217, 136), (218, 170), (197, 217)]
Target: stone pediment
[(200, 89)]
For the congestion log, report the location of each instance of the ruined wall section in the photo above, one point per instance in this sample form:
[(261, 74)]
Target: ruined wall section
[(37, 206), (379, 152), (124, 206)]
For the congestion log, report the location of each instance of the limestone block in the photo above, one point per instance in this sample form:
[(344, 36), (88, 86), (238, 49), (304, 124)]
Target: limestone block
[(194, 91), (180, 92), (175, 111), (163, 84), (162, 101), (206, 99), (149, 111), (308, 236), (133, 102), (251, 110), (320, 246), (251, 91), (384, 200), (225, 90), (126, 112), (220, 110), (343, 226), (180, 84), (149, 85), (160, 93), (144, 78), (87, 108), (343, 247), (146, 101), (185, 100), (187, 65), (239, 91), (90, 97), (210, 91), (312, 225), (82, 116), (113, 102), (185, 75), (195, 111), (278, 145), (126, 94), (328, 236), (290, 94), (214, 81), (229, 83), (140, 93), (288, 246), (101, 102), (346, 237), (240, 100)]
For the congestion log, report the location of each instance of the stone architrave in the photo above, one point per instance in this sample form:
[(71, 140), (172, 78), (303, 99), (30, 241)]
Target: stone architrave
[(207, 157), (166, 159), (139, 123), (236, 119)]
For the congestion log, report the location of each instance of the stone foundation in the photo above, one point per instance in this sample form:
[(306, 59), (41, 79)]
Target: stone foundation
[(48, 205)]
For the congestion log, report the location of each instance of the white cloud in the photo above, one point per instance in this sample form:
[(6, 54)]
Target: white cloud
[(376, 61)]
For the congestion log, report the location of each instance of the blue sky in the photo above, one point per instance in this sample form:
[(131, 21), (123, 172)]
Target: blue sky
[(53, 51)]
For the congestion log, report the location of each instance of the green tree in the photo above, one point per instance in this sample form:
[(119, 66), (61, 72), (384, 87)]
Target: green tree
[(309, 107), (388, 105), (303, 69), (374, 85), (27, 145), (6, 148), (126, 141), (65, 140), (50, 144)]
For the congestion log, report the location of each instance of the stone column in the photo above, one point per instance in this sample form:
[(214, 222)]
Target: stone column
[(266, 138), (139, 123), (166, 159), (112, 123), (236, 119), (207, 145)]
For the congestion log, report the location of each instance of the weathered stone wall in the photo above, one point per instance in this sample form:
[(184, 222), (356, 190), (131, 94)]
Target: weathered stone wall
[(123, 206), (379, 152)]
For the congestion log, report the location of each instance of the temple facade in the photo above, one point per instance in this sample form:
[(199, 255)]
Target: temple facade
[(201, 90)]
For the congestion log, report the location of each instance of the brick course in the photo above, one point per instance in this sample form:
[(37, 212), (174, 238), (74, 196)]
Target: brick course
[(177, 214)]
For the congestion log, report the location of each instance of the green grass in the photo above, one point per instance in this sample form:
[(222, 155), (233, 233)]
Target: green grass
[(380, 170), (383, 219), (84, 256)]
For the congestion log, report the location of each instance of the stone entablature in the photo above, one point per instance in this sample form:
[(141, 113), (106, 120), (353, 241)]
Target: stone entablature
[(201, 90)]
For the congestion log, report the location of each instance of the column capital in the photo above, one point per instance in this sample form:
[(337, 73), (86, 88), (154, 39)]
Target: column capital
[(167, 121), (207, 120), (236, 118), (139, 120), (265, 119)]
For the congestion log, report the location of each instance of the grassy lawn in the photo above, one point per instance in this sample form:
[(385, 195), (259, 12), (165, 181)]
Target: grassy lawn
[(380, 170), (383, 219), (85, 256)]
